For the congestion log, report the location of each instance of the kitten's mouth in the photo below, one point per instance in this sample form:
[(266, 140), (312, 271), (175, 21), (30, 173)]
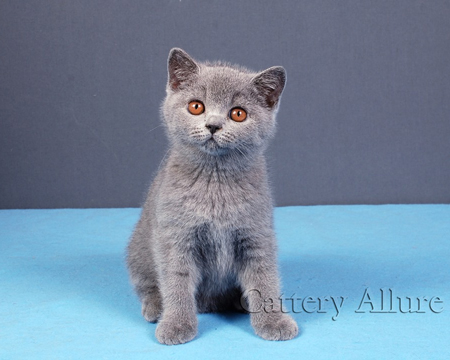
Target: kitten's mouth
[(211, 142), (211, 146)]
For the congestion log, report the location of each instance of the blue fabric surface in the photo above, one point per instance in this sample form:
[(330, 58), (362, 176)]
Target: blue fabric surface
[(65, 292)]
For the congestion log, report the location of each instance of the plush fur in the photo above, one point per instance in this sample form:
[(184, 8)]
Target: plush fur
[(205, 236)]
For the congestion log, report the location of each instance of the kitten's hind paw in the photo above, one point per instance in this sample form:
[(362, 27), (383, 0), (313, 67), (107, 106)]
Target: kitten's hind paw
[(151, 309), (276, 328), (174, 333)]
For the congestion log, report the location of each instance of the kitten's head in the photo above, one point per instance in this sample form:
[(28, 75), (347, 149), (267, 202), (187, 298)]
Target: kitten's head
[(219, 108)]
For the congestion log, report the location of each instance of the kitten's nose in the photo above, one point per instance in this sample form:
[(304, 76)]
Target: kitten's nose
[(213, 128), (214, 122)]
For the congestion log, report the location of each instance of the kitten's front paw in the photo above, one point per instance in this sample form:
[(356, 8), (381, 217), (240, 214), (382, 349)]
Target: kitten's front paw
[(280, 327), (151, 309), (176, 332)]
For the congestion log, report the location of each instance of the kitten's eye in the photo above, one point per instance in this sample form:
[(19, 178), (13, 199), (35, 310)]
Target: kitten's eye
[(238, 114), (196, 107)]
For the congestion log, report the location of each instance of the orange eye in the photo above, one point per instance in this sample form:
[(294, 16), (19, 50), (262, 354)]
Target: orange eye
[(238, 114), (196, 107)]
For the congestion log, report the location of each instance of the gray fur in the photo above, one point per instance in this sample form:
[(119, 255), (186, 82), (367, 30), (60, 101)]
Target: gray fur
[(206, 234)]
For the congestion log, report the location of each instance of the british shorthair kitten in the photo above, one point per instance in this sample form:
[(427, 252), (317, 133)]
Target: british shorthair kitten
[(205, 240)]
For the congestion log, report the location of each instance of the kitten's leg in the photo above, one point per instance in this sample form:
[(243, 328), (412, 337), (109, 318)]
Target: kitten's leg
[(178, 280), (259, 280), (144, 277), (269, 322)]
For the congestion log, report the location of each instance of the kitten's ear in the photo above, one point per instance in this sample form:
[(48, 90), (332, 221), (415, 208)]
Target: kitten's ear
[(181, 68), (270, 84)]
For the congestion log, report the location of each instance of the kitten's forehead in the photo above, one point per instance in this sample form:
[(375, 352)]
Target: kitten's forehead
[(221, 83)]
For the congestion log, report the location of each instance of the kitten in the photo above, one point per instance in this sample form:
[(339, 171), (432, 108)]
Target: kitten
[(205, 235)]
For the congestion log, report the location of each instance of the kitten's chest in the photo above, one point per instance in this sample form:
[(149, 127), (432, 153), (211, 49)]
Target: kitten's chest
[(213, 196)]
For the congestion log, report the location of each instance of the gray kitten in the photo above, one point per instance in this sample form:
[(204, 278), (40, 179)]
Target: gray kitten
[(205, 240)]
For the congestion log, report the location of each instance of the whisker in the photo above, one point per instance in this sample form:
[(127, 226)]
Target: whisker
[(148, 132)]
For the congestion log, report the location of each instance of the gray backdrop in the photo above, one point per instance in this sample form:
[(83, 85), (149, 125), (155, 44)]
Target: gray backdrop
[(365, 117)]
